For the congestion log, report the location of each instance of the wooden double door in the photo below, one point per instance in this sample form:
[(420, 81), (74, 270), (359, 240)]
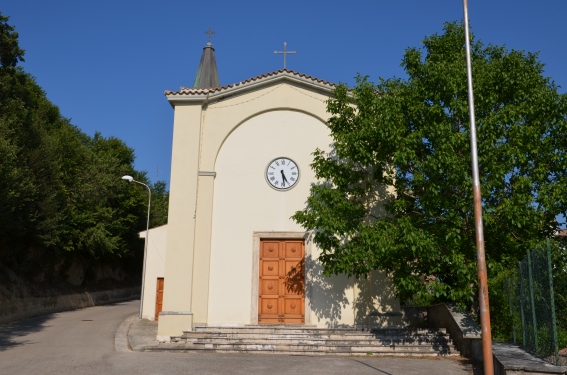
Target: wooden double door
[(281, 286)]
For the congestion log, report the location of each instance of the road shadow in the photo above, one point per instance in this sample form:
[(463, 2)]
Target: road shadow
[(472, 367), (11, 333), (374, 368)]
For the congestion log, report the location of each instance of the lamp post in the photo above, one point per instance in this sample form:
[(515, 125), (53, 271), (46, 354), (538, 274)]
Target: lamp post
[(131, 179)]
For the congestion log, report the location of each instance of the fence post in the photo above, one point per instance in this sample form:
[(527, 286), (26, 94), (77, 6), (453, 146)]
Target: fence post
[(531, 281), (553, 318), (509, 283), (522, 293)]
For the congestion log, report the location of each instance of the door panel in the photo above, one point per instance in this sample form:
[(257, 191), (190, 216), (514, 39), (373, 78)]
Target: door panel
[(281, 284), (159, 297), (270, 250), (270, 287), (294, 249), (269, 307), (270, 268)]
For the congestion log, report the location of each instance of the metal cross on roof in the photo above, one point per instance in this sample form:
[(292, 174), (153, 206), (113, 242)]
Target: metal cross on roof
[(284, 52), (210, 32)]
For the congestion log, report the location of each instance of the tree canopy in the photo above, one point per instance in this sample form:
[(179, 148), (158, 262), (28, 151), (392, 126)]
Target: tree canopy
[(396, 190), (61, 196), (10, 51)]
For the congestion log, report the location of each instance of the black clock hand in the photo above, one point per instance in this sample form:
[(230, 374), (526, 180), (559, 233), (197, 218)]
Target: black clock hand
[(284, 180)]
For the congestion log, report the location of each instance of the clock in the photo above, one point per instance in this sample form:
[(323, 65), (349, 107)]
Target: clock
[(282, 173)]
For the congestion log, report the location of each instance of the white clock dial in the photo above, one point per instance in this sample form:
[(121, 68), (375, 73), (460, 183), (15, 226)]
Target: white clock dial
[(282, 173)]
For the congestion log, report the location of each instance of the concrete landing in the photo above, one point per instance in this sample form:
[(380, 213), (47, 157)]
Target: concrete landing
[(511, 360)]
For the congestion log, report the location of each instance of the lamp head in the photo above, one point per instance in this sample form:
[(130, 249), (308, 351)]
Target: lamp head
[(128, 178)]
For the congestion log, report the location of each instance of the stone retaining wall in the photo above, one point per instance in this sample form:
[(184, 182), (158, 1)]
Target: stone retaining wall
[(463, 329), (30, 307)]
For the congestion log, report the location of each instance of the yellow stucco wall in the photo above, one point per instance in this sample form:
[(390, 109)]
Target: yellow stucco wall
[(177, 315), (244, 203)]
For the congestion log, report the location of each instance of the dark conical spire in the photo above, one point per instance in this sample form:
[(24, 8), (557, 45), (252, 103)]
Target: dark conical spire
[(207, 74)]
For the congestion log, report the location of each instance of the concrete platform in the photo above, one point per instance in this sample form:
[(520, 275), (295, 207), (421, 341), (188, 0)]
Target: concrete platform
[(511, 360)]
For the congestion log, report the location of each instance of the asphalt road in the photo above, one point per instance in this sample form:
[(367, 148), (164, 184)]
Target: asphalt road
[(82, 342)]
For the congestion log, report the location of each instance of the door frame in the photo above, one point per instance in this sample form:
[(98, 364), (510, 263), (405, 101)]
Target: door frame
[(307, 243)]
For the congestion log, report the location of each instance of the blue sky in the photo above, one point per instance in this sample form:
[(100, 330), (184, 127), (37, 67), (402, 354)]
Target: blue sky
[(107, 63)]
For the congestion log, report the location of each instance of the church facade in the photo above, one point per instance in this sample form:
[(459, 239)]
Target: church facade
[(240, 170)]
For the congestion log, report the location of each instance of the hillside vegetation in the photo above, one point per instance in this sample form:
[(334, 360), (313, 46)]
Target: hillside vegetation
[(66, 217)]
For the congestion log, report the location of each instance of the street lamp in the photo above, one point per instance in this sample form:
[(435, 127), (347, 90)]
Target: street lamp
[(131, 179)]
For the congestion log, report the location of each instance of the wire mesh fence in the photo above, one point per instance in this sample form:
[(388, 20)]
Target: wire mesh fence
[(531, 293)]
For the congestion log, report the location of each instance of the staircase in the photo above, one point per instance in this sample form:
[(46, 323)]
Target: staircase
[(305, 340)]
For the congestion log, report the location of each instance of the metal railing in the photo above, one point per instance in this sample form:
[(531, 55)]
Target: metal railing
[(530, 293)]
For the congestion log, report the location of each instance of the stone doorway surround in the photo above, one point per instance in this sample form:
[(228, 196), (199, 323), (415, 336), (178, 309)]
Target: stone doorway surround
[(257, 236)]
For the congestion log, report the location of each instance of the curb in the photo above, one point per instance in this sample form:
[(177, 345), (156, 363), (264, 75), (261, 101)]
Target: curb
[(121, 343)]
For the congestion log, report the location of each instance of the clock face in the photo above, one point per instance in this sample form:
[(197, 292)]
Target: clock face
[(282, 173)]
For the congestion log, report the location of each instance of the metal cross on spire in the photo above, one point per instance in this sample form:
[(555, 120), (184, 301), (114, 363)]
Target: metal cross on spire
[(284, 52), (210, 32)]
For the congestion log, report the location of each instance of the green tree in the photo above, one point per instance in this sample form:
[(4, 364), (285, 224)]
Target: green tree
[(396, 190), (10, 51), (160, 202), (61, 196)]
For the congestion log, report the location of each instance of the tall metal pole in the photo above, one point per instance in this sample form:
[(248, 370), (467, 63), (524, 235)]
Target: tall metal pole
[(145, 247), (131, 179), (481, 259)]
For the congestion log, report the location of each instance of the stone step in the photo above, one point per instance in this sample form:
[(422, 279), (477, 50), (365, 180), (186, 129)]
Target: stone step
[(300, 336), (328, 343), (261, 327), (314, 330), (339, 351), (320, 341), (350, 336), (328, 348), (312, 340)]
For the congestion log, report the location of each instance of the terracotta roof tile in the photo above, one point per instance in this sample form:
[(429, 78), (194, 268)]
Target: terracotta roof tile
[(204, 91)]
